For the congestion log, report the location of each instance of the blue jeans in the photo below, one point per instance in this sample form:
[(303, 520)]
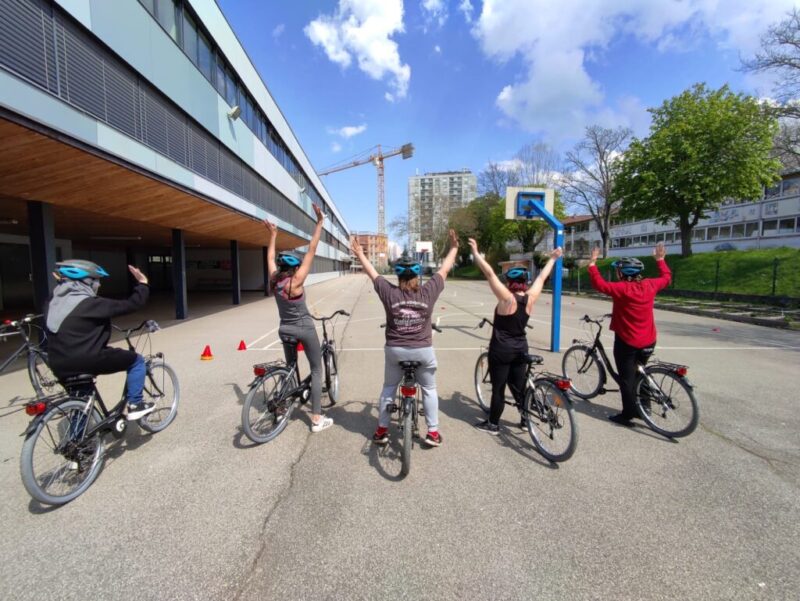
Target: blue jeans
[(134, 385)]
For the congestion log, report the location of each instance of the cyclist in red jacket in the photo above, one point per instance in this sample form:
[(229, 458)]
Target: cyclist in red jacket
[(631, 319)]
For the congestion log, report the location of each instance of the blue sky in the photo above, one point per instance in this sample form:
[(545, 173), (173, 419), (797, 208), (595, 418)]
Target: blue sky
[(469, 82)]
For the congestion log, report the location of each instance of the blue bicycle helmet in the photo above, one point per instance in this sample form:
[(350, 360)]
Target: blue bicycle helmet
[(407, 268), (517, 273), (78, 269), (288, 260), (629, 266)]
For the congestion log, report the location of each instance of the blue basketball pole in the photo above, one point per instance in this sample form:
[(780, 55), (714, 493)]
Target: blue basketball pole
[(558, 236)]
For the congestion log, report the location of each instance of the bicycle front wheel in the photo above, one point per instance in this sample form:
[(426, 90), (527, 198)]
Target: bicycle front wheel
[(58, 463), (42, 377), (551, 421), (408, 436), (267, 407), (580, 365), (162, 388), (331, 376), (671, 409), (483, 383)]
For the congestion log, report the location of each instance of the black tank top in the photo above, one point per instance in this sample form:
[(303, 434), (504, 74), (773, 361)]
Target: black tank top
[(509, 330)]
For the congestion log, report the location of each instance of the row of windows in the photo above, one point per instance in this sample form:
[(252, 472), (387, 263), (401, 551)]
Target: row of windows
[(773, 227), (177, 20)]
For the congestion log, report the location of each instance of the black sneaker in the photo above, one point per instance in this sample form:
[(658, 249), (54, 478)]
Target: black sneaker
[(488, 427), (523, 424), (139, 410), (621, 419)]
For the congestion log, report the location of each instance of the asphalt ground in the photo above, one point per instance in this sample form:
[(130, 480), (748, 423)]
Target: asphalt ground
[(199, 512)]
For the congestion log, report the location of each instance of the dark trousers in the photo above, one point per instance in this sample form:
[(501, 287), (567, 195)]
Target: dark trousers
[(506, 368), (628, 358)]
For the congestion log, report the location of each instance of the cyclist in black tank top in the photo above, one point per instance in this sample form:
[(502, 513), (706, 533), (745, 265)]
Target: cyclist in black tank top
[(509, 345)]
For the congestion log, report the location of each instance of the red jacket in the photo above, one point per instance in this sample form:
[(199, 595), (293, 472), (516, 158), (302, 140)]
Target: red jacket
[(632, 312)]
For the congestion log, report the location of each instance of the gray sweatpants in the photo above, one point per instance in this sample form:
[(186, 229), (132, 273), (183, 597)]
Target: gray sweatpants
[(307, 334), (426, 379)]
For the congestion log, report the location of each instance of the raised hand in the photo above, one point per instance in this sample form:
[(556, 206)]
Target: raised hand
[(453, 239), (356, 247), (138, 275), (319, 213), (473, 244), (556, 253), (271, 227), (595, 253), (659, 252)]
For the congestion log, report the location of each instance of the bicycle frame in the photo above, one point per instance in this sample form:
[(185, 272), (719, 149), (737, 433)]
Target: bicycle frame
[(23, 347)]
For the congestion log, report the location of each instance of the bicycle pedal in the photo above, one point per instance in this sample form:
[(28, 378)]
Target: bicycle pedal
[(392, 408)]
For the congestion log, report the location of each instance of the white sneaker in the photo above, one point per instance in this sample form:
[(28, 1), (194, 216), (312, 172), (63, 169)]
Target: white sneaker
[(322, 424), (140, 410)]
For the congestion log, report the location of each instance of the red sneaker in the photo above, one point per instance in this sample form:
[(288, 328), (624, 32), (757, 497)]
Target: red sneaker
[(433, 439), (381, 436)]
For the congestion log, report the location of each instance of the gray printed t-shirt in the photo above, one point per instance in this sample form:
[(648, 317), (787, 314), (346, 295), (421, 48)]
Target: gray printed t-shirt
[(408, 314)]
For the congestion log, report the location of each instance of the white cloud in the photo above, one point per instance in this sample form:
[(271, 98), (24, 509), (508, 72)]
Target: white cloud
[(466, 9), (335, 147), (434, 11), (362, 29), (556, 94), (437, 49), (278, 30), (348, 131)]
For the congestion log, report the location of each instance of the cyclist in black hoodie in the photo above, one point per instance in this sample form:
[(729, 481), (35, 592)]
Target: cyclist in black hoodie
[(78, 326)]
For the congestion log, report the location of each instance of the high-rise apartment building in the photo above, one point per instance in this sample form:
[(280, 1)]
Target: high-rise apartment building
[(432, 197)]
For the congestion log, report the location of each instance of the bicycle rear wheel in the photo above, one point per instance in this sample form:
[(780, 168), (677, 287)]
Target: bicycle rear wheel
[(483, 383), (56, 466), (587, 374), (408, 435), (162, 388), (671, 409), (42, 377), (331, 376), (267, 408), (551, 421)]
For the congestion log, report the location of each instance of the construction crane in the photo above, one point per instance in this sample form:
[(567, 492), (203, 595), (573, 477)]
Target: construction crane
[(376, 157)]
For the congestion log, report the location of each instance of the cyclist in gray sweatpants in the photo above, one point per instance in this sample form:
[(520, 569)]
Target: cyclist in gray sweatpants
[(426, 379)]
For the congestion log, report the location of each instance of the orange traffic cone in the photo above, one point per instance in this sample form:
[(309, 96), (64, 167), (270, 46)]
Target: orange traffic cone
[(242, 346), (207, 356), (300, 346)]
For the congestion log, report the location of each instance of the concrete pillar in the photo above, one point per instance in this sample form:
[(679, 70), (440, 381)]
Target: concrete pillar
[(265, 269), (179, 274), (43, 251), (236, 284)]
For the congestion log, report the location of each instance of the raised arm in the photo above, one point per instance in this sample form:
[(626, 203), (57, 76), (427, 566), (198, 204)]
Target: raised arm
[(362, 258), (595, 279), (536, 288), (450, 258), (272, 232), (665, 275), (502, 293), (305, 267)]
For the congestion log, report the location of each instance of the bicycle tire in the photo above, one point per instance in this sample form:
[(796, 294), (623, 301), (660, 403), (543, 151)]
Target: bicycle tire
[(668, 410), (408, 437), (32, 476), (265, 414), (483, 382), (587, 374), (551, 421), (161, 387), (331, 376), (42, 378)]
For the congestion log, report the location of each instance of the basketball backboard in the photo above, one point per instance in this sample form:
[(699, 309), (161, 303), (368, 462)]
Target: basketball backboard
[(520, 202)]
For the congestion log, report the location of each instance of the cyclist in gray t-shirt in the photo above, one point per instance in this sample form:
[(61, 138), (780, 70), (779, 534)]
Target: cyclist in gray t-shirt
[(409, 306)]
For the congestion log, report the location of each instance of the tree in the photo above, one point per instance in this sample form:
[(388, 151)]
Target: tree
[(780, 56), (398, 226), (532, 165), (704, 147), (588, 179)]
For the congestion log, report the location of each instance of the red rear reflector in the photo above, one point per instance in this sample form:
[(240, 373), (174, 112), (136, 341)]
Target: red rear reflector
[(408, 390), (682, 371), (6, 322), (564, 384), (35, 408), (259, 371), (300, 346)]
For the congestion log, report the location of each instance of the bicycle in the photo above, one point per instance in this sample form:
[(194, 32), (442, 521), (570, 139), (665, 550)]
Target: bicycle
[(276, 389), (64, 449), (407, 409), (546, 411), (41, 376), (660, 386)]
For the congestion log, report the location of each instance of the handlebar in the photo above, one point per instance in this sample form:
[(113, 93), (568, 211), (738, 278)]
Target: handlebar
[(19, 322), (150, 324), (598, 320), (339, 312), (433, 327), (489, 321)]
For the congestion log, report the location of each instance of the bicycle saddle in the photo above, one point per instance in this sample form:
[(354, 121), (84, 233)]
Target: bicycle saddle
[(406, 364), (534, 359), (78, 380)]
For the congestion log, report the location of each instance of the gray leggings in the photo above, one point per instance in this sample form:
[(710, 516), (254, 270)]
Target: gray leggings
[(307, 334), (426, 379)]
